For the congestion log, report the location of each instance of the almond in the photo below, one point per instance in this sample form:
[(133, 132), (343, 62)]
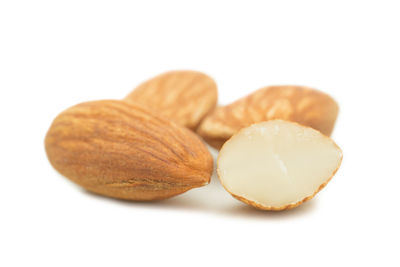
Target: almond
[(124, 151), (185, 97), (299, 104), (277, 165)]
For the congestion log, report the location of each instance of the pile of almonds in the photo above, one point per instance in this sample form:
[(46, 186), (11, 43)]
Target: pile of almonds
[(275, 152)]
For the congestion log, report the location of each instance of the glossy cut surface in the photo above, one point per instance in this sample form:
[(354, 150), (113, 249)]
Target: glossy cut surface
[(277, 164)]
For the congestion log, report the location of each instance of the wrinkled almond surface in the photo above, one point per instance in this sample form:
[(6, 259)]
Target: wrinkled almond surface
[(124, 151), (182, 96), (299, 104)]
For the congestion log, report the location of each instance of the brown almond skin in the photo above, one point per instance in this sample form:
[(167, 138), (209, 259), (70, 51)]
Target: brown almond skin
[(185, 97), (124, 151), (300, 104)]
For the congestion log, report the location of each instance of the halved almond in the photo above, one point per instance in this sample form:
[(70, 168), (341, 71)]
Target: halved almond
[(277, 165)]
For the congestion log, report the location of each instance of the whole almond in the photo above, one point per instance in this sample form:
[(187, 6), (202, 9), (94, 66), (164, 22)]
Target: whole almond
[(185, 97), (299, 104), (124, 151)]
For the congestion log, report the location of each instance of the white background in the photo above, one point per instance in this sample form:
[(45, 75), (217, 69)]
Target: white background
[(54, 54)]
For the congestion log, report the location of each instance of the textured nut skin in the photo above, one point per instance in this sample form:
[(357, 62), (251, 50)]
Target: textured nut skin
[(285, 207), (124, 151), (185, 97), (299, 104)]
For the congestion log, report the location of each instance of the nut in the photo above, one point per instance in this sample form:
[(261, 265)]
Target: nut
[(277, 165), (124, 151), (303, 105), (185, 97)]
